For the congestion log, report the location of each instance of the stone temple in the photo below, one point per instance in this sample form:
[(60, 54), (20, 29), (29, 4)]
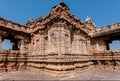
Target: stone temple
[(58, 44)]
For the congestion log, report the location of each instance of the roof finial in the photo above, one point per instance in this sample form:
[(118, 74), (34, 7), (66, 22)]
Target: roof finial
[(89, 21), (88, 18)]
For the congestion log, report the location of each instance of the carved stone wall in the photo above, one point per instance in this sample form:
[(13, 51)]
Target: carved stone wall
[(108, 60), (12, 61)]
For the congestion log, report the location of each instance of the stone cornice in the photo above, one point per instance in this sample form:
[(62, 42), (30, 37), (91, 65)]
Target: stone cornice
[(73, 20), (106, 30), (14, 26)]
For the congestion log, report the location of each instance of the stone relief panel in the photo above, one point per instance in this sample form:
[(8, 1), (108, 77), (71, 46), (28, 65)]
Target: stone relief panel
[(52, 42), (79, 44), (98, 45), (39, 43), (58, 41), (36, 44)]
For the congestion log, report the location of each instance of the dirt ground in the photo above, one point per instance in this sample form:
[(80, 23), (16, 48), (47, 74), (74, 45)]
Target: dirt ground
[(93, 74)]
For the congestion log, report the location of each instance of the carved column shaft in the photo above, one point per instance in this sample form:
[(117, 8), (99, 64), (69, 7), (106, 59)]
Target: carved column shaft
[(97, 45), (0, 42), (41, 43), (42, 46), (89, 46)]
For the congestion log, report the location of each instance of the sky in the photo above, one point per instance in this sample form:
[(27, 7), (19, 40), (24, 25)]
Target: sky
[(102, 12)]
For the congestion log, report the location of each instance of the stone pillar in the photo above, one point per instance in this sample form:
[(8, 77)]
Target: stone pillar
[(107, 45), (45, 44), (74, 47), (22, 46), (84, 47), (89, 46), (97, 45), (41, 44), (0, 42), (58, 41)]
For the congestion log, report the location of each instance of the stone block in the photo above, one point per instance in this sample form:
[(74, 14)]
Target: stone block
[(11, 66)]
